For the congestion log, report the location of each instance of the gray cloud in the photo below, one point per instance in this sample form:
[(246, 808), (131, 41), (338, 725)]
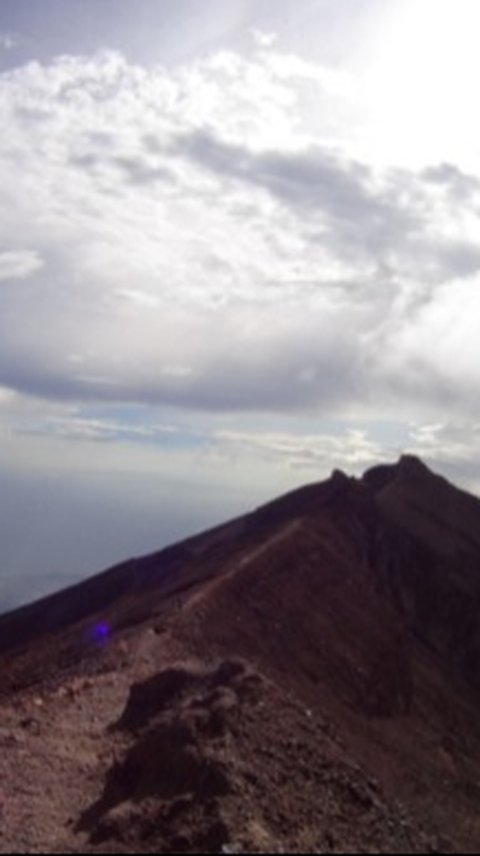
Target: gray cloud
[(313, 182), (459, 184), (250, 364), (18, 264), (386, 223), (140, 172), (457, 259)]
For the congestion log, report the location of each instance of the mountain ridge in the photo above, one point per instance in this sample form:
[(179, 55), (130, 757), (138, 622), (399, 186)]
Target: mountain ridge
[(308, 672)]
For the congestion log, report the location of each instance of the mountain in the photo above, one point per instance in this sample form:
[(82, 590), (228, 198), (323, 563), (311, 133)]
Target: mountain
[(303, 678)]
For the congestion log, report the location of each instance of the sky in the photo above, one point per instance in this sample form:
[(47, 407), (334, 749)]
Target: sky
[(239, 248)]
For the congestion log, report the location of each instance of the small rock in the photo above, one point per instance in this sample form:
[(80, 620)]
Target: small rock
[(7, 737), (28, 722), (62, 692), (330, 840)]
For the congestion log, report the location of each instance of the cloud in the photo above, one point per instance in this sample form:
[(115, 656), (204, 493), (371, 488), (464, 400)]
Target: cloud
[(359, 221), (6, 395), (351, 448), (9, 41), (18, 264), (364, 218), (194, 241), (460, 185), (451, 446), (263, 39)]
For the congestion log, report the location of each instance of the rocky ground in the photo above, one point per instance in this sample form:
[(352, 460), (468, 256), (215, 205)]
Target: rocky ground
[(190, 759)]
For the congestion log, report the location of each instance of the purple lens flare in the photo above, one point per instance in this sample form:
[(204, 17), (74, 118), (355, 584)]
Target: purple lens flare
[(102, 631)]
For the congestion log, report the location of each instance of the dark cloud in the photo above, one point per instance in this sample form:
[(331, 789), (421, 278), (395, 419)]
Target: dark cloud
[(135, 169), (296, 369), (388, 222), (139, 172), (314, 183), (459, 184), (458, 259), (33, 114), (87, 161)]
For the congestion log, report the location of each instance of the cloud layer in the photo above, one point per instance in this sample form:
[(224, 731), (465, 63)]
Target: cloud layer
[(190, 238)]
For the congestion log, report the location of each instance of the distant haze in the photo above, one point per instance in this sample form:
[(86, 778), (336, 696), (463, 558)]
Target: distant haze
[(54, 532)]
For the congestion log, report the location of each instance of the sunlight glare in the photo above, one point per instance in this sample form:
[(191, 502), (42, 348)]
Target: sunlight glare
[(422, 79)]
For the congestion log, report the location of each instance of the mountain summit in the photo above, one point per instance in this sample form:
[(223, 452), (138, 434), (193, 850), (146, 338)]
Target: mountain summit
[(303, 678)]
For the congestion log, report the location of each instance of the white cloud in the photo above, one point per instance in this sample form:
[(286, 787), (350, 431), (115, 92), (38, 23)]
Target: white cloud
[(18, 264), (351, 448), (263, 39), (6, 396)]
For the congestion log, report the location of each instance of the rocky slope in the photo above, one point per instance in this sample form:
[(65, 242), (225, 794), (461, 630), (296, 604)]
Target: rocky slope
[(303, 678)]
